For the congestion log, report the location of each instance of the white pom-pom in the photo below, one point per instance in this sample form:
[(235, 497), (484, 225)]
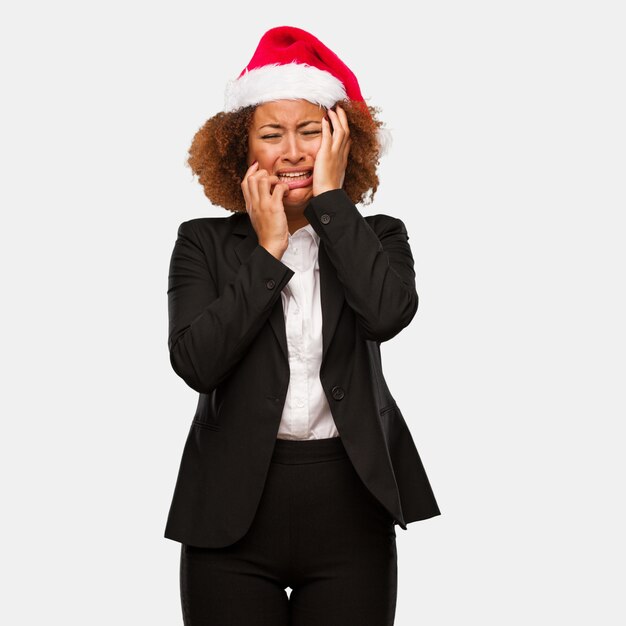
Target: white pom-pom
[(385, 140)]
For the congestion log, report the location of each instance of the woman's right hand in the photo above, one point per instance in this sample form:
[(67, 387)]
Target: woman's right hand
[(266, 210)]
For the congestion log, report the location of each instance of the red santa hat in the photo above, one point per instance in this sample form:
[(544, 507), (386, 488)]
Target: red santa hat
[(290, 63)]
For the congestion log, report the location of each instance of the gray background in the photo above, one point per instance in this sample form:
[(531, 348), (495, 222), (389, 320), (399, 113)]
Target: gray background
[(508, 170)]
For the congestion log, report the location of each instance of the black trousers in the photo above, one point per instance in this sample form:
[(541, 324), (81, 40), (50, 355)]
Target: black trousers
[(317, 530)]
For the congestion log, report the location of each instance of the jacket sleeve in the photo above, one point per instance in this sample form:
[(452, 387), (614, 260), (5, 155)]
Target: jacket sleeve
[(209, 332), (376, 270)]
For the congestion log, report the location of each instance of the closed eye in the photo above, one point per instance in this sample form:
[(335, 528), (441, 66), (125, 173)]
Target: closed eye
[(306, 132)]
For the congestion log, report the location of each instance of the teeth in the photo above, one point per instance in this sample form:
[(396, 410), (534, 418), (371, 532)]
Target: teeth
[(294, 175)]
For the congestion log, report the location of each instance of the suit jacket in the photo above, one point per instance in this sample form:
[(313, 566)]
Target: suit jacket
[(227, 341)]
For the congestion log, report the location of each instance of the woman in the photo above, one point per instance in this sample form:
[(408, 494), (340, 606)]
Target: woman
[(298, 463)]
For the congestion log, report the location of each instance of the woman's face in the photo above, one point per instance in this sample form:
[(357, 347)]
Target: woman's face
[(284, 138)]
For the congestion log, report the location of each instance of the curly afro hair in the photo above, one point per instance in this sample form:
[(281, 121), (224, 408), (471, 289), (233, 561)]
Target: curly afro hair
[(219, 148)]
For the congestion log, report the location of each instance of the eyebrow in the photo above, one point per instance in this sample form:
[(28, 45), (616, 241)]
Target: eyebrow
[(300, 125)]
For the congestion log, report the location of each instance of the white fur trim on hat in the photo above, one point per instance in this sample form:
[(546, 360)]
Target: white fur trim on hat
[(290, 81)]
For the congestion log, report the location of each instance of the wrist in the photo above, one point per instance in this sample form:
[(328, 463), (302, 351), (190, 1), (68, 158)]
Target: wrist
[(321, 190), (275, 250)]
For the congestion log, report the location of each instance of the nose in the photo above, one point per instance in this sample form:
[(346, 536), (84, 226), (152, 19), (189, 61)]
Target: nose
[(293, 151)]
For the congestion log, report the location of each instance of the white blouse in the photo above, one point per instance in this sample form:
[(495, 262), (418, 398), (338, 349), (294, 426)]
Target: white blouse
[(306, 414)]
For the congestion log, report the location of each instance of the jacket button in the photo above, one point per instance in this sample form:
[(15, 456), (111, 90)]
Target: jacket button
[(270, 284), (325, 218), (337, 393)]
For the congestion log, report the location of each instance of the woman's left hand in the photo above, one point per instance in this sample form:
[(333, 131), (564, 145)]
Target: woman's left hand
[(332, 158)]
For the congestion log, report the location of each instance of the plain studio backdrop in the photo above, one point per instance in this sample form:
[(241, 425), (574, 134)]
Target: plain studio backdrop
[(508, 170)]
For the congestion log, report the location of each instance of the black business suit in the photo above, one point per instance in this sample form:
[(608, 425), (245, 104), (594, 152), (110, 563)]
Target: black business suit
[(227, 341)]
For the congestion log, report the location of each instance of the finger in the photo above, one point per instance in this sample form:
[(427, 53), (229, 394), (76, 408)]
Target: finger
[(338, 131), (281, 190), (262, 175), (346, 154), (264, 185), (253, 189), (253, 168), (246, 194), (257, 176), (345, 149), (343, 119), (244, 183), (339, 126), (273, 180), (326, 135)]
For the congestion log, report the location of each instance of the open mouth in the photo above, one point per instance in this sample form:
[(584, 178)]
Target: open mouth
[(296, 179)]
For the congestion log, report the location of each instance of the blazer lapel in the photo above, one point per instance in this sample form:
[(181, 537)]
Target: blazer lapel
[(331, 291), (332, 296), (244, 248)]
